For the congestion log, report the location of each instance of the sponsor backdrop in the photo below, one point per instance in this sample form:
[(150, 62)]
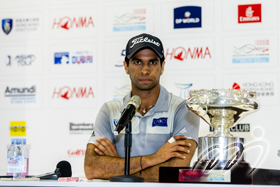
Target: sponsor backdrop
[(61, 60)]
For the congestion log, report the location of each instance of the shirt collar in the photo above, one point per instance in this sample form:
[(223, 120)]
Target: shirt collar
[(161, 104)]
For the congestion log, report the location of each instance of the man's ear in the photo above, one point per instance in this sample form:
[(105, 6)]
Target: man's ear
[(125, 67), (162, 67)]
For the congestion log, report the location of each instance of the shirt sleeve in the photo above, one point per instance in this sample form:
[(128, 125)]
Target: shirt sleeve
[(102, 127), (185, 122)]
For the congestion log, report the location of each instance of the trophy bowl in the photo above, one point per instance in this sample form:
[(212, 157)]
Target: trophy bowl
[(221, 109)]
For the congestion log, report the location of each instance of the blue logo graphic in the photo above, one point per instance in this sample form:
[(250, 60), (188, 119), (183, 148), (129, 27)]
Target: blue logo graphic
[(115, 122), (161, 122), (249, 53), (120, 62), (129, 22), (7, 25), (187, 17), (61, 58), (184, 89), (82, 57)]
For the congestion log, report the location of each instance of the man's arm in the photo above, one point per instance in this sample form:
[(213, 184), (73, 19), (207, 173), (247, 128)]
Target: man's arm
[(104, 166), (151, 174)]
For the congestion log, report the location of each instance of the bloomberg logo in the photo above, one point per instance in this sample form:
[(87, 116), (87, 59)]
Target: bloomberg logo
[(67, 92), (21, 95), (80, 128), (187, 17)]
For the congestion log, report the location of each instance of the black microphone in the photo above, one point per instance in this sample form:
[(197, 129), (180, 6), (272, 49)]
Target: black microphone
[(63, 169), (128, 113)]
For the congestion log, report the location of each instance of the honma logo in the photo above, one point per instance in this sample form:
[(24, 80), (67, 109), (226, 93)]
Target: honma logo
[(67, 23), (187, 17), (68, 93), (183, 54), (7, 25), (251, 13)]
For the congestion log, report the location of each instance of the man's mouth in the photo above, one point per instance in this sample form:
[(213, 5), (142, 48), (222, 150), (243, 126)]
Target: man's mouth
[(144, 80)]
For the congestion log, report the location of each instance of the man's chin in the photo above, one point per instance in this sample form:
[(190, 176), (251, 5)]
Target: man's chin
[(145, 87)]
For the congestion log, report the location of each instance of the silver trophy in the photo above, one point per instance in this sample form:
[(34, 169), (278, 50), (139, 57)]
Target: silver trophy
[(221, 109)]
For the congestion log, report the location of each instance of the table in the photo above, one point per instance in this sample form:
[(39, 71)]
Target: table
[(105, 183)]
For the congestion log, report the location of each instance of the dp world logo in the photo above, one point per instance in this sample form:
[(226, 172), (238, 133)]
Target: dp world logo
[(187, 17), (7, 25)]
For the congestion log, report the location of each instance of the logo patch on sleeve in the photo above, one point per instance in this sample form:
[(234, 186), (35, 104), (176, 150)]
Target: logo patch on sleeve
[(115, 122), (161, 122)]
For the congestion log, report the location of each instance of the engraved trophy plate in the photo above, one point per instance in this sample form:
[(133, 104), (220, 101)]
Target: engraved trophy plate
[(221, 109)]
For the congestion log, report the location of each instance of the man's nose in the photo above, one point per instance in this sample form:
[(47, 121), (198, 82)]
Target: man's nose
[(145, 70)]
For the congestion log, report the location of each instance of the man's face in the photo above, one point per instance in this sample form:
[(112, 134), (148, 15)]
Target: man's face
[(144, 69)]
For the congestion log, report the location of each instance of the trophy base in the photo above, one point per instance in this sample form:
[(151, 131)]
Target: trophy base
[(226, 164), (236, 174)]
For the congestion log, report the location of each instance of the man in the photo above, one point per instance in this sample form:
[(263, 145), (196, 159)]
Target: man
[(160, 116)]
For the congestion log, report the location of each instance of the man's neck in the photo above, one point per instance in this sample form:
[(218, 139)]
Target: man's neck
[(148, 97)]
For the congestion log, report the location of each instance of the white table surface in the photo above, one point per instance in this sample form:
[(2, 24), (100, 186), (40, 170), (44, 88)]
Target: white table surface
[(106, 183)]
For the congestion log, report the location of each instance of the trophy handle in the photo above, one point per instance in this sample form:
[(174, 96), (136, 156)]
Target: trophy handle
[(254, 105), (196, 113)]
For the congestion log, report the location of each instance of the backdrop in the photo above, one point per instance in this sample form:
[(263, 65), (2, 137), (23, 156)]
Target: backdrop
[(60, 60)]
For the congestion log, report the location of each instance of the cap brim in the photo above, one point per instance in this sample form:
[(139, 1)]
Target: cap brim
[(142, 47)]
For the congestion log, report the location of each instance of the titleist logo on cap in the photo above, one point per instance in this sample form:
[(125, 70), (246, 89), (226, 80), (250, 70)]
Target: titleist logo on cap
[(141, 40)]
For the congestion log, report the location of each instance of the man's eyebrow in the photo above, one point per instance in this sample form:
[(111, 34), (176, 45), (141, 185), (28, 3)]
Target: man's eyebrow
[(155, 59), (134, 58)]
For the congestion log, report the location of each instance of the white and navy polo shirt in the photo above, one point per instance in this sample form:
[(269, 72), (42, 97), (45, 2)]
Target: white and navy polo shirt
[(169, 117)]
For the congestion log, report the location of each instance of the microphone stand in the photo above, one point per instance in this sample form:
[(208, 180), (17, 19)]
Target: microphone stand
[(127, 144)]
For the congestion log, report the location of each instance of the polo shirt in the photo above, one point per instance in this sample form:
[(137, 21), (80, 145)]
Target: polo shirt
[(169, 117)]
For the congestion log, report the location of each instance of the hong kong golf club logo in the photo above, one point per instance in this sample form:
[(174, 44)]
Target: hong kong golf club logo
[(7, 25)]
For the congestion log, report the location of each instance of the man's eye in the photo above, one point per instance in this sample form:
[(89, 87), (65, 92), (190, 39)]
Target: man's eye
[(153, 62), (137, 62)]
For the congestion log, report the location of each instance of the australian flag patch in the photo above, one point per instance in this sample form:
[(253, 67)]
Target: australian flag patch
[(161, 122)]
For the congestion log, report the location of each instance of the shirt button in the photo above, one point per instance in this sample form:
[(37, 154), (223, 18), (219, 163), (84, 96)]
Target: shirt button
[(143, 120)]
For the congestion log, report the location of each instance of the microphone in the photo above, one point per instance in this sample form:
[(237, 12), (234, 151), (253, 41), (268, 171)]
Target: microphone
[(63, 169), (128, 113)]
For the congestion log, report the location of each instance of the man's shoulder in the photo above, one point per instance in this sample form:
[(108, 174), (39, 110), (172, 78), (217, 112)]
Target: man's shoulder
[(114, 106), (175, 100)]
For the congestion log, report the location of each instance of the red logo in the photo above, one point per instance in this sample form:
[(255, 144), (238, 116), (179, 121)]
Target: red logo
[(235, 86), (78, 152), (180, 53), (69, 23), (249, 13), (68, 93), (13, 162)]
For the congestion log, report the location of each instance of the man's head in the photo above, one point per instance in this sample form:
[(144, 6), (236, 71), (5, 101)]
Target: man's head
[(143, 41), (144, 61)]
